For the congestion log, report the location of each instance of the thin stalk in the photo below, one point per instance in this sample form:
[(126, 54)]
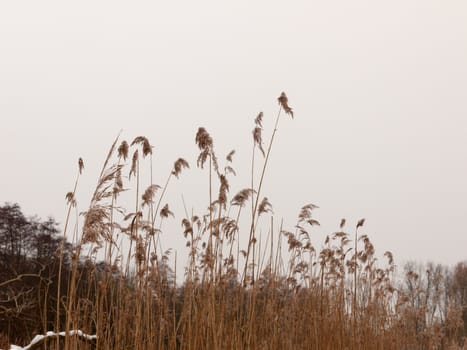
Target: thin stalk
[(62, 246), (252, 228)]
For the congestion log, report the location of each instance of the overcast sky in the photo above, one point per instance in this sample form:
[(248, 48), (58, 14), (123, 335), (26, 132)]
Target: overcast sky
[(379, 91)]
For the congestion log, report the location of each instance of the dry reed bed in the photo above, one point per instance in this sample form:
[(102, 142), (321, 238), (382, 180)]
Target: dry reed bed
[(279, 292)]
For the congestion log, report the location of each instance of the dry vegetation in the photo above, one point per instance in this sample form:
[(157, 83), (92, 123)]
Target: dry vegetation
[(279, 291)]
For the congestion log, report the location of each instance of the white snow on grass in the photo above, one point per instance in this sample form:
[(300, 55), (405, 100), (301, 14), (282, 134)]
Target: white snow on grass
[(40, 338)]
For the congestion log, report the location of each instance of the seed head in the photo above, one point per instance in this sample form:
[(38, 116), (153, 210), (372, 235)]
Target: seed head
[(123, 150), (179, 164), (342, 223), (165, 212), (360, 223), (259, 120), (134, 164), (147, 148), (284, 103), (265, 206), (80, 165)]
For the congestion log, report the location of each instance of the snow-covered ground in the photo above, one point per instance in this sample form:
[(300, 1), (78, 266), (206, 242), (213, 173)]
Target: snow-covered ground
[(41, 338)]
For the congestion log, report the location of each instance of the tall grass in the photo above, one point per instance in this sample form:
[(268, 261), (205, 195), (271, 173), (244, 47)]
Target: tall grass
[(280, 290)]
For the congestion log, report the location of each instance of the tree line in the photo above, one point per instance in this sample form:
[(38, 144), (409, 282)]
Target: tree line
[(29, 268)]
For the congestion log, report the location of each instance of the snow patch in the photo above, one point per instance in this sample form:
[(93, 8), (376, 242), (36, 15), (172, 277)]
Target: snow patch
[(40, 338)]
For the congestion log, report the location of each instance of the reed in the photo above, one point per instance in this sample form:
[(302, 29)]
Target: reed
[(282, 290)]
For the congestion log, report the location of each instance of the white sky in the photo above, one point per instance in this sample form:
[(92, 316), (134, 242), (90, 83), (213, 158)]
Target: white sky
[(379, 91)]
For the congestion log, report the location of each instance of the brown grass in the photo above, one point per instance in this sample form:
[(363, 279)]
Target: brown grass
[(278, 292)]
